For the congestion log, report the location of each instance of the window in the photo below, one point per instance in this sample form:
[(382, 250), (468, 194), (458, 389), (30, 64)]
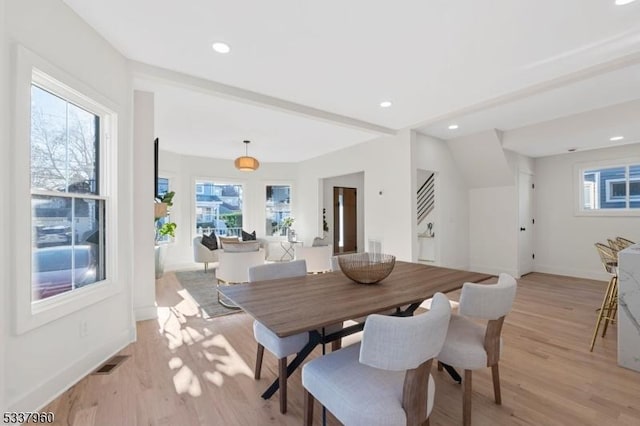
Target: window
[(218, 208), (278, 205), (163, 188), (68, 205), (610, 189)]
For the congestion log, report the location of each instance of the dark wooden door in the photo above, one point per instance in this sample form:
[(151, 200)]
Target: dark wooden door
[(345, 220)]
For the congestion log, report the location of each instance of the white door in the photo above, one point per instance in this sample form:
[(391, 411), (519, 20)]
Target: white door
[(526, 224)]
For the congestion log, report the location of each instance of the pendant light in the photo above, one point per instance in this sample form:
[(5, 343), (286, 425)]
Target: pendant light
[(246, 163)]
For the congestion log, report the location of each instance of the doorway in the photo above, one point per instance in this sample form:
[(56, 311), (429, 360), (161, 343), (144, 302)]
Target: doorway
[(345, 229), (525, 215)]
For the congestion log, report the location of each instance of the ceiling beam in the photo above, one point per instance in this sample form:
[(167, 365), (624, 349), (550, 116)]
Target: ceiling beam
[(185, 81), (535, 89)]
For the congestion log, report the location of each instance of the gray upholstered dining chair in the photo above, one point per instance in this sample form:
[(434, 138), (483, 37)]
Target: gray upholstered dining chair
[(471, 346), (281, 347), (385, 379)]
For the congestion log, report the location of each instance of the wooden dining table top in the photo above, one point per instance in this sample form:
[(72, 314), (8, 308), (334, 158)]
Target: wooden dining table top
[(294, 305)]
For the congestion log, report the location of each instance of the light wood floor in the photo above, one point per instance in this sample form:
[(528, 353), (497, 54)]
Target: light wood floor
[(185, 370)]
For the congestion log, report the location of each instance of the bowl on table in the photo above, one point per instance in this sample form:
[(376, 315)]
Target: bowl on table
[(367, 268)]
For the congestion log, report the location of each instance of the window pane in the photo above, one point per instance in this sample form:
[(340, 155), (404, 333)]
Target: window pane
[(68, 244), (609, 188), (218, 208), (63, 144), (278, 208), (634, 186)]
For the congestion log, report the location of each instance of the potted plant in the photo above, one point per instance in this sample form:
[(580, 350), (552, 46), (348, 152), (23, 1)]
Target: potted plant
[(164, 228), (286, 224)]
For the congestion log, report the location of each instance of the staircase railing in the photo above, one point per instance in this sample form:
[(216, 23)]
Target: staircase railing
[(426, 198)]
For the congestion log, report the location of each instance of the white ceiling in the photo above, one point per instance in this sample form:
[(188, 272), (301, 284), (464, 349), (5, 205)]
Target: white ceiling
[(435, 60)]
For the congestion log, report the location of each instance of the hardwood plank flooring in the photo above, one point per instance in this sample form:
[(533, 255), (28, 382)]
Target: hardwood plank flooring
[(185, 370)]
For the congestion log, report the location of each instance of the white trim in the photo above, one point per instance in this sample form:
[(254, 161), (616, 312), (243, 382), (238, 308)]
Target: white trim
[(31, 68), (144, 313), (61, 381)]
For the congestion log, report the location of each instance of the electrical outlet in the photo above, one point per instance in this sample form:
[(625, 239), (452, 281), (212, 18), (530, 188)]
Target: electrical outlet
[(84, 329)]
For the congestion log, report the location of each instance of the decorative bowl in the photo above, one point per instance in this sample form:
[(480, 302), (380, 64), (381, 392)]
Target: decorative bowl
[(367, 268)]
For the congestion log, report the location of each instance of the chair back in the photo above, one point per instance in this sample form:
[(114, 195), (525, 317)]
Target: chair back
[(274, 271), (397, 344), (233, 267), (318, 258), (488, 301), (202, 254), (623, 243), (608, 256)]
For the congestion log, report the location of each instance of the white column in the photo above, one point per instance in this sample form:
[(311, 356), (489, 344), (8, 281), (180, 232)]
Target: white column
[(144, 284)]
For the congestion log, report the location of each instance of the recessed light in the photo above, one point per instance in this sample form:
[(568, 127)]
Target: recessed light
[(453, 126), (616, 138), (385, 104), (221, 47), (623, 2)]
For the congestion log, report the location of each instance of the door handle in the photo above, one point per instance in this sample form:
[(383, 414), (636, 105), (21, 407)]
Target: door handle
[(522, 228)]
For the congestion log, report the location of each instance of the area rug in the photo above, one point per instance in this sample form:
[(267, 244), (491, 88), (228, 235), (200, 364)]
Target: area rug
[(201, 286)]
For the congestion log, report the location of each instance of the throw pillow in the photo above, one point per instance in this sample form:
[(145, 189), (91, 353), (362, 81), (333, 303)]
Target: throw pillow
[(209, 242), (224, 240), (241, 246), (248, 236)]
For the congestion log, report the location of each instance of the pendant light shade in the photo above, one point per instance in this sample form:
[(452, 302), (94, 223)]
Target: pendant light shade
[(246, 163)]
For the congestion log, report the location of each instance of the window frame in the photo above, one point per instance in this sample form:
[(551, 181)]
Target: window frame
[(30, 68), (580, 168)]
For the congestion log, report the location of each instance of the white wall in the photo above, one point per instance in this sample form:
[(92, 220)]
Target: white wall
[(451, 215), (564, 241), (355, 180), (385, 162), (4, 211), (183, 170), (144, 292), (41, 363), (493, 225), (482, 160)]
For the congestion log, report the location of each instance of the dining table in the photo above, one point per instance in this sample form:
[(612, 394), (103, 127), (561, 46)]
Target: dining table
[(312, 302)]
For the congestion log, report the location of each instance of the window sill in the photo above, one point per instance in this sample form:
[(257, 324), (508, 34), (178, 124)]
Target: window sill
[(608, 213)]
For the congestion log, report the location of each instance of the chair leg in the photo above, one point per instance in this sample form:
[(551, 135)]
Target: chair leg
[(466, 399), (308, 408), (282, 378), (496, 384), (612, 305), (603, 312), (259, 356), (336, 344)]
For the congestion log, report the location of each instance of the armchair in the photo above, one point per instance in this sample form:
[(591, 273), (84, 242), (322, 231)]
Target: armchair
[(202, 254)]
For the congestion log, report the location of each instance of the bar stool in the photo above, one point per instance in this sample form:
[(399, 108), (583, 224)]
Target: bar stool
[(609, 308)]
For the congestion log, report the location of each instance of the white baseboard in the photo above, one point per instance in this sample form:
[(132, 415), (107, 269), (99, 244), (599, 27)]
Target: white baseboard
[(590, 274), (493, 270), (144, 313), (39, 397)]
